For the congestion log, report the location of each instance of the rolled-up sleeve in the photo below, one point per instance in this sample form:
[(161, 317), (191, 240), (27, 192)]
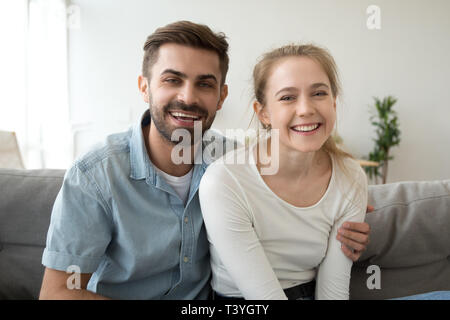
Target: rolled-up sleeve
[(80, 227)]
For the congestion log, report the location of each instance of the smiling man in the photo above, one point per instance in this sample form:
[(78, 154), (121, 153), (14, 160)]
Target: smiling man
[(185, 84), (127, 216)]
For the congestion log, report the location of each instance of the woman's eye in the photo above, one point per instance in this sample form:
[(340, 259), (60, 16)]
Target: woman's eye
[(287, 98), (320, 93)]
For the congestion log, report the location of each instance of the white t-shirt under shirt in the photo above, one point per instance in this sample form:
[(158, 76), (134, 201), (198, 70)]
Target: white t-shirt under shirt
[(261, 244), (180, 185)]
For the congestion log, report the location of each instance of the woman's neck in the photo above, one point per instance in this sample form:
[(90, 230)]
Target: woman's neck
[(294, 164)]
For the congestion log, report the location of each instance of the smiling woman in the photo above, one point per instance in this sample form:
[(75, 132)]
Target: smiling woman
[(276, 236)]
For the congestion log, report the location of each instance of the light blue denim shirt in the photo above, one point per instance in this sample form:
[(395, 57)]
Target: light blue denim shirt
[(117, 218)]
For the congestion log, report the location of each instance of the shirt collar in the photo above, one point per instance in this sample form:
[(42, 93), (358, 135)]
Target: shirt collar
[(141, 166)]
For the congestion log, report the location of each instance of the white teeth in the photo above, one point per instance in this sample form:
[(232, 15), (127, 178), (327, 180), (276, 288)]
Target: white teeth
[(306, 128), (184, 115)]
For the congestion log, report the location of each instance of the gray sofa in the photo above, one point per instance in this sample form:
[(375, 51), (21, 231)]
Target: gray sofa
[(410, 238)]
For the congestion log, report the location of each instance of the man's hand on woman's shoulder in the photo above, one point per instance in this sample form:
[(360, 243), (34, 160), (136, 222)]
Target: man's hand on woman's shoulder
[(354, 237)]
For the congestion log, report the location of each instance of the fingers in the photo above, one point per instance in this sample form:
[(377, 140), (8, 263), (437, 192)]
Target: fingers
[(354, 237), (352, 255), (357, 246), (361, 227), (361, 238), (370, 208)]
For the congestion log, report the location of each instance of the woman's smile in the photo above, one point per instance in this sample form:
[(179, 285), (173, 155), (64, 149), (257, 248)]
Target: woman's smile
[(306, 129)]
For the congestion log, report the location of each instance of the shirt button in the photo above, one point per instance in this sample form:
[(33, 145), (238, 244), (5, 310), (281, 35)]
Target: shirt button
[(186, 259), (186, 220)]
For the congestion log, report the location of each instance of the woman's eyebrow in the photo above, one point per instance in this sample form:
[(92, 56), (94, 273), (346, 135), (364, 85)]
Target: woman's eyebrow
[(313, 86), (286, 89), (318, 84)]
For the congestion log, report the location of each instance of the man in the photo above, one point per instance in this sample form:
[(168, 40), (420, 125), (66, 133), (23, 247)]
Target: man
[(128, 217)]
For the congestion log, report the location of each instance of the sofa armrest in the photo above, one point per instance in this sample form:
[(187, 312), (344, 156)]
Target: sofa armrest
[(409, 239)]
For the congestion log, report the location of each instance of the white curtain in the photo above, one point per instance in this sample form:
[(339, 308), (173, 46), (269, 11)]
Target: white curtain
[(35, 104)]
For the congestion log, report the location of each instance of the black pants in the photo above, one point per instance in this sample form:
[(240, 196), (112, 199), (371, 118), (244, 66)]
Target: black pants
[(301, 292)]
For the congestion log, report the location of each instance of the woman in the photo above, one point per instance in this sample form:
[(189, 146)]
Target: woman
[(274, 236)]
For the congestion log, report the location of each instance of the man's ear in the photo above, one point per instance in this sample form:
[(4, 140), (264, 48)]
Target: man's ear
[(223, 95), (261, 112), (144, 88)]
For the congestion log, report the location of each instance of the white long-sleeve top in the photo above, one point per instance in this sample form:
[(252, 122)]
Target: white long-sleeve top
[(261, 244)]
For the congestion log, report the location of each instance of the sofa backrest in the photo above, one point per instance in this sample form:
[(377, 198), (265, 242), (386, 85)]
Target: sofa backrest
[(26, 201), (409, 241)]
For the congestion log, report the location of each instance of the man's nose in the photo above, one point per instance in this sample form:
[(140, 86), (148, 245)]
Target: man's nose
[(188, 94)]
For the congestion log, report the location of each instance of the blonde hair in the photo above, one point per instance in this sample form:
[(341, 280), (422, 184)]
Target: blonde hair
[(261, 74), (263, 69)]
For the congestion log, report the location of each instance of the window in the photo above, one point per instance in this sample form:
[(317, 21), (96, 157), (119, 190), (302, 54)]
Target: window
[(33, 80)]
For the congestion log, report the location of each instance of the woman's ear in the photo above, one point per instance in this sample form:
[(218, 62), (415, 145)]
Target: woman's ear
[(261, 112)]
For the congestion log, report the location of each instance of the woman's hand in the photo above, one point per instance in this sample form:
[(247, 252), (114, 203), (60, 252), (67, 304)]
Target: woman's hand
[(354, 237)]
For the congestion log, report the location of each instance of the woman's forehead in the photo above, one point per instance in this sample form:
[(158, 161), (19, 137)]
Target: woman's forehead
[(298, 72)]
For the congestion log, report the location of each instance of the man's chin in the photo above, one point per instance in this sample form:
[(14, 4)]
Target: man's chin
[(181, 135), (176, 134), (186, 136)]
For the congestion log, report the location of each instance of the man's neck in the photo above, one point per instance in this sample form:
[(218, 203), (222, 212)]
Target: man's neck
[(159, 151)]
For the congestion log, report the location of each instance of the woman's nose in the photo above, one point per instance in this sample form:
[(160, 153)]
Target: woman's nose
[(304, 108)]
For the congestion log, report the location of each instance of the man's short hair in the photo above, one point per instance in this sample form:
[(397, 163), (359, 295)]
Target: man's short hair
[(190, 34)]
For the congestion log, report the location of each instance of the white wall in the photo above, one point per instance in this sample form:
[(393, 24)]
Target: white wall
[(407, 58)]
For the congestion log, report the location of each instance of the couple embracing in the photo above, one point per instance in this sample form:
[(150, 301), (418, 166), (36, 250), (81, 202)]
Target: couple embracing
[(140, 226)]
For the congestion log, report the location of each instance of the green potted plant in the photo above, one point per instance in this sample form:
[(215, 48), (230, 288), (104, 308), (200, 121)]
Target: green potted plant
[(387, 131)]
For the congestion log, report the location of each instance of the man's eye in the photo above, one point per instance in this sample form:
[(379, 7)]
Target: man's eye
[(172, 80), (205, 85)]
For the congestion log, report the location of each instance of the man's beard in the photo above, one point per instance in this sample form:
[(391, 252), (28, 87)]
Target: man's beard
[(158, 116)]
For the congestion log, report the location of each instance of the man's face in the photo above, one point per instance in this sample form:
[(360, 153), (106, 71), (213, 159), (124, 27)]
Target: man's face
[(184, 87)]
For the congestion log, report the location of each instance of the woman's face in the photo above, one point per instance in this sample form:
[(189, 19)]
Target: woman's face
[(299, 103)]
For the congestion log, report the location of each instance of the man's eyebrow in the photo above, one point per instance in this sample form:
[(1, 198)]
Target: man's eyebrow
[(184, 76), (207, 76), (177, 73)]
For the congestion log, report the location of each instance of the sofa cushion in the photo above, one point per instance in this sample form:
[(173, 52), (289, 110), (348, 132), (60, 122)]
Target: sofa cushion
[(409, 240), (26, 201)]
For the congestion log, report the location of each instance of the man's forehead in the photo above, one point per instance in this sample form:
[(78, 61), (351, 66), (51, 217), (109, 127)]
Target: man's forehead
[(188, 60)]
